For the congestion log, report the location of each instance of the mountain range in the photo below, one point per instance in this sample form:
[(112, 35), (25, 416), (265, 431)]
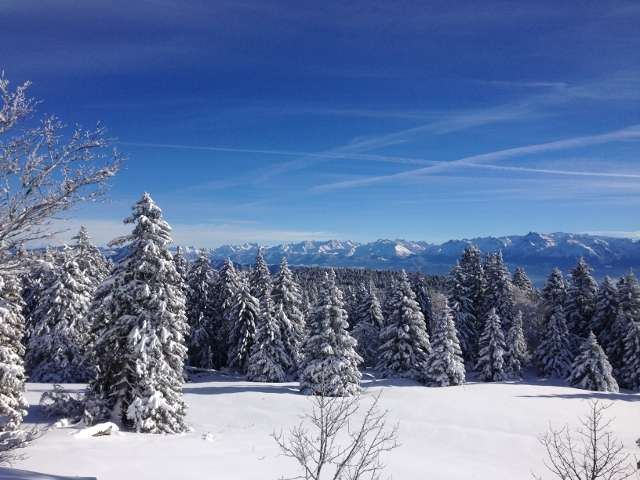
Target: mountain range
[(537, 253)]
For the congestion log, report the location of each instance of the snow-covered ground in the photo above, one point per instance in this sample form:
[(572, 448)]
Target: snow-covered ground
[(477, 431)]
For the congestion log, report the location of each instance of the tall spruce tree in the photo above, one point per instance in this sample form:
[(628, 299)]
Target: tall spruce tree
[(269, 360), (499, 289), (242, 320), (475, 281), (89, 258), (56, 349), (517, 354), (182, 265), (554, 293), (369, 324), (591, 369), (553, 355), (200, 285), (260, 278), (604, 318), (630, 370), (404, 342), (330, 365), (521, 280), (460, 299), (580, 303), (287, 296), (423, 297), (140, 344), (226, 288), (628, 311), (13, 404), (445, 366), (490, 365)]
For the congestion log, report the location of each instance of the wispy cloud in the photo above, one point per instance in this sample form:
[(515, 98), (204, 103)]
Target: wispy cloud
[(629, 133)]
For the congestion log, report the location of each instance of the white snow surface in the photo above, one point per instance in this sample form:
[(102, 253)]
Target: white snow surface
[(476, 431)]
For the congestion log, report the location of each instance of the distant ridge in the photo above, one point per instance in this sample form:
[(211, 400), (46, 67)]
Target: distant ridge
[(536, 252)]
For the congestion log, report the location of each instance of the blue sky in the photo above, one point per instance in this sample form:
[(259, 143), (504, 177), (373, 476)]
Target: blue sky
[(268, 121)]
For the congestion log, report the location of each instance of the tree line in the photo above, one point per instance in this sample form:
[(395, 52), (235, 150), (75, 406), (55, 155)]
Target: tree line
[(129, 328)]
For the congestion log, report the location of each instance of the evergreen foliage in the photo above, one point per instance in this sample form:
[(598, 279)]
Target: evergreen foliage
[(141, 328), (591, 369), (330, 366)]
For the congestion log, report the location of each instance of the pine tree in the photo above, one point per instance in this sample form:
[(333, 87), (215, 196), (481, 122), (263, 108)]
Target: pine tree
[(13, 405), (628, 310), (242, 320), (287, 295), (630, 371), (369, 324), (260, 278), (499, 289), (475, 281), (491, 345), (182, 265), (200, 308), (517, 354), (140, 342), (269, 360), (404, 342), (580, 304), (554, 293), (521, 280), (606, 311), (90, 259), (225, 291), (554, 352), (330, 366), (445, 364), (57, 343), (463, 313), (591, 369), (423, 297)]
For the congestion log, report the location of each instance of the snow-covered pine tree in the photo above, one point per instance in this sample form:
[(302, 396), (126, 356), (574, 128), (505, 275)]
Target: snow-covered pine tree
[(580, 304), (404, 342), (269, 360), (140, 345), (13, 405), (553, 355), (463, 312), (242, 323), (475, 281), (182, 265), (591, 369), (287, 294), (224, 296), (330, 365), (606, 311), (491, 350), (369, 324), (630, 371), (517, 353), (260, 278), (199, 308), (554, 293), (59, 337), (521, 280), (423, 297), (628, 310), (445, 366), (499, 289), (90, 259)]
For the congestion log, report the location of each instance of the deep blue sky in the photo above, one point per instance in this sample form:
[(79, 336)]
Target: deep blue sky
[(258, 120)]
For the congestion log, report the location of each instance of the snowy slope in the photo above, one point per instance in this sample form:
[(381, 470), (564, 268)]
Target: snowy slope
[(478, 431)]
